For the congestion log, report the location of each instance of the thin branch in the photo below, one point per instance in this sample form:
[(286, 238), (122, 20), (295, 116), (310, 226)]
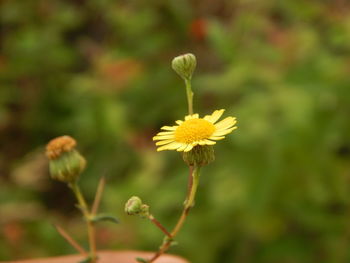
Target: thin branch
[(160, 226), (99, 192), (89, 223), (188, 205), (70, 240)]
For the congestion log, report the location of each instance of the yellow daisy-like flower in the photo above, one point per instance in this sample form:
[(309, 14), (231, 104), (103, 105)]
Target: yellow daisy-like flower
[(194, 131)]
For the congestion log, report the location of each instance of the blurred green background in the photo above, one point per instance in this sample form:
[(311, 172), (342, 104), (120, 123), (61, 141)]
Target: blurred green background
[(99, 70)]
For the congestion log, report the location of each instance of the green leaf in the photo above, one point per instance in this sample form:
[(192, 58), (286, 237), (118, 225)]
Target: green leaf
[(104, 217)]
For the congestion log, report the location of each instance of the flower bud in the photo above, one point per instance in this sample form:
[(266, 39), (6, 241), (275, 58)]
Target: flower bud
[(66, 163), (199, 155), (134, 206), (184, 65)]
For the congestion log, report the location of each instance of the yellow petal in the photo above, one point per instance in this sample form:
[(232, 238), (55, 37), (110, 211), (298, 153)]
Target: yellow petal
[(188, 148), (207, 142), (226, 123), (164, 142), (171, 146), (178, 122), (217, 138), (225, 128), (195, 143), (202, 142), (169, 128), (215, 116), (183, 147), (223, 132), (190, 117), (165, 133), (163, 137)]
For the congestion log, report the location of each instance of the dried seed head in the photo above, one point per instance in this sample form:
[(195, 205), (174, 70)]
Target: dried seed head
[(60, 145), (66, 163)]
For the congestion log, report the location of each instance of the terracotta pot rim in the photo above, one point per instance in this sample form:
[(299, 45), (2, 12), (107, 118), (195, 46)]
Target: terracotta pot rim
[(105, 254)]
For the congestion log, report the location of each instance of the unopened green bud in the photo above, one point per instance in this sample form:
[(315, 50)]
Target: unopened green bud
[(134, 206), (184, 65), (199, 155), (66, 163)]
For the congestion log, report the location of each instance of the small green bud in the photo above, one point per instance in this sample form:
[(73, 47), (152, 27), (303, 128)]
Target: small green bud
[(184, 65), (134, 206), (66, 163), (199, 155)]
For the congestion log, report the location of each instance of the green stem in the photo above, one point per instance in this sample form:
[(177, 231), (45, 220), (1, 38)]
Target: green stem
[(189, 94), (89, 223), (187, 206)]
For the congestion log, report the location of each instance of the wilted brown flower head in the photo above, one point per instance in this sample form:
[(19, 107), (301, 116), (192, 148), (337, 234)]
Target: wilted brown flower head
[(59, 145)]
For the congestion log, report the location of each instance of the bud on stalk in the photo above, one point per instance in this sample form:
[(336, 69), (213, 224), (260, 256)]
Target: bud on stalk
[(134, 206), (184, 65)]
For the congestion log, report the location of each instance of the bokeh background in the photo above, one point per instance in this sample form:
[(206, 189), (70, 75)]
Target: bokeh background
[(99, 70)]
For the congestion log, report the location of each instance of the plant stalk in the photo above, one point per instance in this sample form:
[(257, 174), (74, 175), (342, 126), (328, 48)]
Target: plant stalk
[(187, 206), (159, 225), (88, 218), (189, 94)]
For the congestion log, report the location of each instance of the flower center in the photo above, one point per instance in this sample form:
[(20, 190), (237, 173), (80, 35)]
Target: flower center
[(194, 130)]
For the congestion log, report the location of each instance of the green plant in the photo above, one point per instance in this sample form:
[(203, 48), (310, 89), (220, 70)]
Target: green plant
[(66, 165), (194, 137)]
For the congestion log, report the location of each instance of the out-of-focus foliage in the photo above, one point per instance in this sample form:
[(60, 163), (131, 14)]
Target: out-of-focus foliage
[(99, 70)]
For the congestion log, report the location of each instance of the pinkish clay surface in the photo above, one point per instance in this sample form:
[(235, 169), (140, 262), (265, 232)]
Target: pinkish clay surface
[(108, 257)]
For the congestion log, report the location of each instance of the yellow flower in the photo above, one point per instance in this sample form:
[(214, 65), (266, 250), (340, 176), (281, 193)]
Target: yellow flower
[(194, 131)]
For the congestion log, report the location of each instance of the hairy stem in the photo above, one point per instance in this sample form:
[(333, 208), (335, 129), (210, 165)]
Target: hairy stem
[(187, 206), (189, 94), (88, 218)]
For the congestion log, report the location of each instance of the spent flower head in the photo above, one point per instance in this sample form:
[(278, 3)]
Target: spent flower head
[(57, 146), (66, 163)]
